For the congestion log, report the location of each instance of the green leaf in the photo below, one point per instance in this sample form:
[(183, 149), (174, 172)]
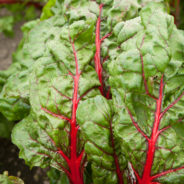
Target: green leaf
[(35, 144), (150, 58), (6, 25), (15, 82), (47, 10), (56, 177), (64, 62), (5, 179), (101, 146)]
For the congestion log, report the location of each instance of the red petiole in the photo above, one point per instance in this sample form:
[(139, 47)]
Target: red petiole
[(98, 64), (99, 70), (74, 161)]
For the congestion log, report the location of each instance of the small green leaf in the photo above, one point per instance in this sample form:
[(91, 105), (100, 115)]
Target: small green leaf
[(5, 179)]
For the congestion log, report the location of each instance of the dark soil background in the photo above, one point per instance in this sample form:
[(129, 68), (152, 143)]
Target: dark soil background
[(9, 160), (7, 46)]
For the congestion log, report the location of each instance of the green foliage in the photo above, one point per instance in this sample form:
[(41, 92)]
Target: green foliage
[(157, 45), (6, 25), (14, 103), (50, 80), (57, 177), (97, 126), (54, 64), (5, 179), (17, 12)]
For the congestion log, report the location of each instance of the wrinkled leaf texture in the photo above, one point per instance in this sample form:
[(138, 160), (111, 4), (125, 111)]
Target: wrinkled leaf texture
[(146, 79), (47, 86), (42, 134)]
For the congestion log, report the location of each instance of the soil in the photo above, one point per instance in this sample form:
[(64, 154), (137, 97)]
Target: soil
[(7, 46), (9, 160)]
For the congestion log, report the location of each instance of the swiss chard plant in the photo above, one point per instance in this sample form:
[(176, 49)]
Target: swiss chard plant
[(98, 87)]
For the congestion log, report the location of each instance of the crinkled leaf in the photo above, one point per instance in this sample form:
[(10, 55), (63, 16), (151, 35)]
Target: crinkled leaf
[(35, 144), (14, 103), (150, 57), (101, 146), (46, 130)]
